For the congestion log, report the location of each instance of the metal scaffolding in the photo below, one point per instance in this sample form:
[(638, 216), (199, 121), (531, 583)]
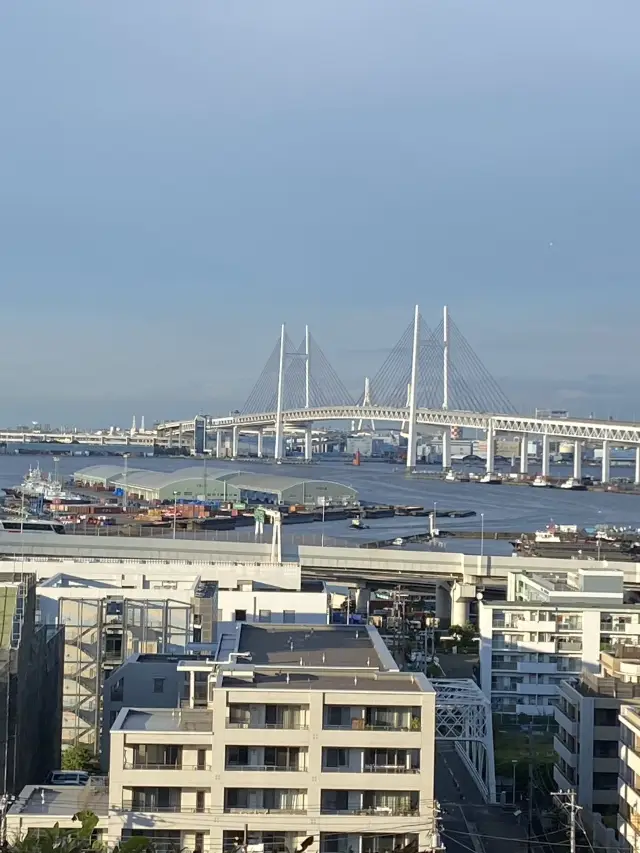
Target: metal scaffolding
[(463, 715)]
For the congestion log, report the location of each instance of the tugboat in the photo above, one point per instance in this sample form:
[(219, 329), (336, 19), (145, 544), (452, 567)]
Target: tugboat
[(541, 482), (574, 485), (491, 479), (451, 477)]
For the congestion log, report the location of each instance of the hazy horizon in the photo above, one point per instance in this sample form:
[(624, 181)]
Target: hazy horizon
[(180, 179)]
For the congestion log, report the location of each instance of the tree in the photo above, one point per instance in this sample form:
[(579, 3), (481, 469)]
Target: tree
[(80, 840), (79, 757)]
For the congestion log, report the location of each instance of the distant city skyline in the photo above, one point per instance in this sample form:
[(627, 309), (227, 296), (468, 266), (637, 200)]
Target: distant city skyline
[(180, 179)]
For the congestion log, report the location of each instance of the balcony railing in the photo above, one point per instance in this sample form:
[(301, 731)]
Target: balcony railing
[(130, 806), (245, 724), (389, 768), (372, 727), (253, 810), (378, 811), (289, 768), (149, 765)]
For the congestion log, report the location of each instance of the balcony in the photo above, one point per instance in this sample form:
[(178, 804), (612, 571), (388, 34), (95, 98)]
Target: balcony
[(246, 724), (255, 810), (532, 668), (285, 717), (280, 801), (133, 805), (149, 765), (377, 811), (569, 646), (265, 768), (370, 803), (389, 768), (372, 719)]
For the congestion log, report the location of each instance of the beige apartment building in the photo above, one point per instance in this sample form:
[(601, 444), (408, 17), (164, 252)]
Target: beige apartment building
[(289, 733)]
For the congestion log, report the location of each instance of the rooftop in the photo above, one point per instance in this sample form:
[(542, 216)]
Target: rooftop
[(164, 720), (329, 646), (374, 682), (64, 800)]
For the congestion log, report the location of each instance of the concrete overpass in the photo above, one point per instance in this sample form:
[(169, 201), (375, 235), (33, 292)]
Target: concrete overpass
[(457, 577)]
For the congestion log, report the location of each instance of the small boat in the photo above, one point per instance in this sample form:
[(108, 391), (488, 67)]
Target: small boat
[(541, 482), (574, 485), (399, 541), (491, 479), (358, 524), (451, 477)]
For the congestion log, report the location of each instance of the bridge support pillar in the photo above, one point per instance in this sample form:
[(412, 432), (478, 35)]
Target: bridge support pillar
[(413, 393), (545, 455), (459, 605), (363, 597), (234, 442), (446, 449), (308, 444), (524, 454), (577, 460), (606, 462), (490, 447), (179, 436), (218, 443), (637, 476), (443, 603), (260, 437)]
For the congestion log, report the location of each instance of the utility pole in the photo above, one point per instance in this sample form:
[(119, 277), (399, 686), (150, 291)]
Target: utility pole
[(567, 801), (530, 793)]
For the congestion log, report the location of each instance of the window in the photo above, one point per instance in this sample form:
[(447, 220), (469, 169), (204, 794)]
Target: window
[(241, 616), (158, 685), (199, 845), (117, 691), (237, 756), (264, 616), (288, 616), (200, 796), (202, 759), (335, 758)]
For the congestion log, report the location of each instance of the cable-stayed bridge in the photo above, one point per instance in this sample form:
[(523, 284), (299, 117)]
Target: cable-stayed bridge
[(431, 378)]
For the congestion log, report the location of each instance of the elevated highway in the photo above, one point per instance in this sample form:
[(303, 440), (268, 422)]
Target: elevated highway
[(460, 576), (579, 430)]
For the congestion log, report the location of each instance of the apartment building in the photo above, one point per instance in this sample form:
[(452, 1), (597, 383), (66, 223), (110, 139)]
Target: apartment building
[(629, 781), (298, 733), (110, 614), (587, 740), (30, 687), (549, 629)]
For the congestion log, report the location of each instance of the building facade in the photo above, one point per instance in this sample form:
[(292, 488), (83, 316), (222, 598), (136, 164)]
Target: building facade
[(111, 615), (588, 732), (30, 687), (291, 733), (549, 629)]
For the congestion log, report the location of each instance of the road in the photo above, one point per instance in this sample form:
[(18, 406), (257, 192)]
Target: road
[(469, 824)]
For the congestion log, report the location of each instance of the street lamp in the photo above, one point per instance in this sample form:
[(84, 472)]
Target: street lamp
[(514, 762), (175, 512), (323, 504), (481, 535), (125, 456)]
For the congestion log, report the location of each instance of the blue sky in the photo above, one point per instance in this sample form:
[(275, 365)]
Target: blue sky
[(177, 179)]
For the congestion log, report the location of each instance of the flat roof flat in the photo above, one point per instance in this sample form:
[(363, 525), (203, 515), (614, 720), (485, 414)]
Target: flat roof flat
[(165, 720), (393, 682), (62, 800), (316, 646)]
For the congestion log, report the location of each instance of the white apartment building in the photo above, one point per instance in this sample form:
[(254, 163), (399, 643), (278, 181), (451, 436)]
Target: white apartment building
[(587, 739), (113, 611), (629, 781), (549, 629), (298, 733)]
